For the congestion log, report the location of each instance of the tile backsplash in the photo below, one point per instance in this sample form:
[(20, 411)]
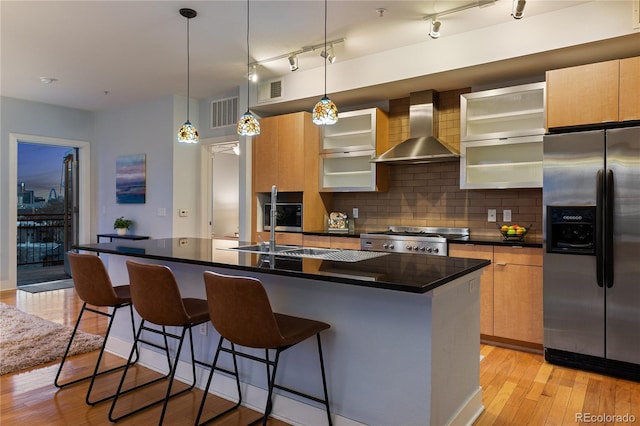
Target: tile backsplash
[(430, 194)]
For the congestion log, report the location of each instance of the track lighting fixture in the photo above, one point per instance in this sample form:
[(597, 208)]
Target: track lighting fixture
[(328, 54), (517, 10), (248, 124), (252, 74), (435, 23), (435, 28), (293, 62), (325, 112), (296, 53), (188, 133)]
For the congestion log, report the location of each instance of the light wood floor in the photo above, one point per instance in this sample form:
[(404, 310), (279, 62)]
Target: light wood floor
[(519, 388)]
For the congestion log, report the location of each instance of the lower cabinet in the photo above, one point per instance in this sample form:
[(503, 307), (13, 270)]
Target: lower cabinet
[(517, 286), (510, 291), (325, 241), (288, 238), (472, 251)]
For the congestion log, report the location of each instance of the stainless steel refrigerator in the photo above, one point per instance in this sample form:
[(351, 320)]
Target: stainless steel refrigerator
[(591, 197)]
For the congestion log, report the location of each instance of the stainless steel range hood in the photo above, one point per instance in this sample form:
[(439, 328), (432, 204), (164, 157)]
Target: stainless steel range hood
[(422, 146)]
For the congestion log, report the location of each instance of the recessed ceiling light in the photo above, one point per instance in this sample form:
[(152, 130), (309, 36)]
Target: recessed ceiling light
[(48, 80)]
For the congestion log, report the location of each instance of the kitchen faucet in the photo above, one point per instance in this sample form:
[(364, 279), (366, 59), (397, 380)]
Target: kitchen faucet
[(272, 219)]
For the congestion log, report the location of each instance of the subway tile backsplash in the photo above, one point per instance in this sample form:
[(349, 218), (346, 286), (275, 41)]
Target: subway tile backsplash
[(430, 194)]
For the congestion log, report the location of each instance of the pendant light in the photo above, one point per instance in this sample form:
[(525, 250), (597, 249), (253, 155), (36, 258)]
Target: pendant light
[(325, 112), (188, 133), (248, 125)]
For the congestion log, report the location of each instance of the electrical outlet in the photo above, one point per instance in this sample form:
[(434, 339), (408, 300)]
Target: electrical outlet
[(203, 329), (491, 215), (355, 212), (183, 212), (506, 215)]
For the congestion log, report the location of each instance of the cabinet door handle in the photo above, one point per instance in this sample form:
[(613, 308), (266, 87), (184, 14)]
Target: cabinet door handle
[(501, 264)]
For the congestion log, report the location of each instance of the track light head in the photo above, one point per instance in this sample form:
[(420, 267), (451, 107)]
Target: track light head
[(328, 54), (293, 62), (434, 32), (253, 74), (517, 10)]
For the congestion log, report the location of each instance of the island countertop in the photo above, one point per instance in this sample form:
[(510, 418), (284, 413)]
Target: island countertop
[(413, 273)]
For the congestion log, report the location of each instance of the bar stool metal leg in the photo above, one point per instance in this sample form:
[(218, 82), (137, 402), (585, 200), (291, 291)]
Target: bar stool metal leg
[(57, 382), (213, 368)]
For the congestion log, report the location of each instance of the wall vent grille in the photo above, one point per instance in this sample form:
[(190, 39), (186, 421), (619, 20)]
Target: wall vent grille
[(269, 90), (224, 112)]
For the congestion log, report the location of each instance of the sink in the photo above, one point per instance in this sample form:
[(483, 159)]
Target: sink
[(307, 252), (311, 252)]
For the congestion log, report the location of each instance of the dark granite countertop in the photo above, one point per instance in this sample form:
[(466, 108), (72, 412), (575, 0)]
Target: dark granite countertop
[(497, 241), (414, 273)]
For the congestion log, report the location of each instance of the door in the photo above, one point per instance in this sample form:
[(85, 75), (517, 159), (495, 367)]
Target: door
[(48, 214), (573, 301), (623, 296)]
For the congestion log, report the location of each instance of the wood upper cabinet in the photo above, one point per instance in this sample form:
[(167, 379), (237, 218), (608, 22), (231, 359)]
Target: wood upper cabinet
[(518, 294), (585, 94), (472, 251), (278, 152), (630, 89)]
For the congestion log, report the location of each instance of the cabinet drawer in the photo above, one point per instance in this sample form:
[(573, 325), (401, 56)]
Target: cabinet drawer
[(517, 255)]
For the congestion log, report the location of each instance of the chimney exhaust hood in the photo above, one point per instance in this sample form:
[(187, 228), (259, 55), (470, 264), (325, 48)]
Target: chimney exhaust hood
[(422, 146)]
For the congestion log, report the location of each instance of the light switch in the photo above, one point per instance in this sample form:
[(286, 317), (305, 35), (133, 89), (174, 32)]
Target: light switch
[(355, 212), (506, 215), (183, 212), (162, 211)]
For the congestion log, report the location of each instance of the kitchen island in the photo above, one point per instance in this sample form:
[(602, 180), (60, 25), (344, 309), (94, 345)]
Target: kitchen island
[(404, 342)]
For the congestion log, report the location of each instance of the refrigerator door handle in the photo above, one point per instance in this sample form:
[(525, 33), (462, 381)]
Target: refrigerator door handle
[(599, 230), (608, 230)]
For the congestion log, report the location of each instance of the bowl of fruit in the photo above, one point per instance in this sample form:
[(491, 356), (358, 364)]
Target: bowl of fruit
[(513, 232)]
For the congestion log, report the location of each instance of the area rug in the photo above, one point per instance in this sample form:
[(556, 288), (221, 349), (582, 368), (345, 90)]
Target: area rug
[(47, 286), (27, 340)]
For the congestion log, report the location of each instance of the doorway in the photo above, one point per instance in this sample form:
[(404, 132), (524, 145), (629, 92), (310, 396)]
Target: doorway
[(76, 155), (47, 211)]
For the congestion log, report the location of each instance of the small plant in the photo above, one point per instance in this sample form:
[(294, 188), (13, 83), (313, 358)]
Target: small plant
[(121, 223)]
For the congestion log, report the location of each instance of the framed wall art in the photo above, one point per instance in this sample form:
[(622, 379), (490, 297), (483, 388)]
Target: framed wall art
[(131, 179)]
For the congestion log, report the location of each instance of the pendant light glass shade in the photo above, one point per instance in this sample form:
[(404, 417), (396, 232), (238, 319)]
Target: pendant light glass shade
[(188, 133), (248, 124), (325, 112)]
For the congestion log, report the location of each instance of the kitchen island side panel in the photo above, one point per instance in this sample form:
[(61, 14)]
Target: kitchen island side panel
[(385, 362)]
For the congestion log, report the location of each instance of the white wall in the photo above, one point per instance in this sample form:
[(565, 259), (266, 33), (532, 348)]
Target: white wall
[(145, 128)]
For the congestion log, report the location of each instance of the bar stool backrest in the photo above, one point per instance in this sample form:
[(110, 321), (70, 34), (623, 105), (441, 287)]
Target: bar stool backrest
[(155, 294), (240, 311), (91, 280)]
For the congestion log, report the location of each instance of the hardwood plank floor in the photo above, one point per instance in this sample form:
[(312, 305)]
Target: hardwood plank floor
[(518, 387)]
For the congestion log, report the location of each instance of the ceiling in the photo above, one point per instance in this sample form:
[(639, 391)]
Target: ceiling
[(105, 54)]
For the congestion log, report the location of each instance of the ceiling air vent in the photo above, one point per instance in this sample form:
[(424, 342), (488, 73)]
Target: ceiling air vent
[(269, 90), (224, 112)]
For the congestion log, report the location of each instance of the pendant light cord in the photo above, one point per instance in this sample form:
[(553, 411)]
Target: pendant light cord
[(248, 69), (325, 48), (188, 70)]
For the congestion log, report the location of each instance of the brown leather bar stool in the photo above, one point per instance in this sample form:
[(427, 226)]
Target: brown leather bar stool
[(156, 297), (240, 311), (93, 286)]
